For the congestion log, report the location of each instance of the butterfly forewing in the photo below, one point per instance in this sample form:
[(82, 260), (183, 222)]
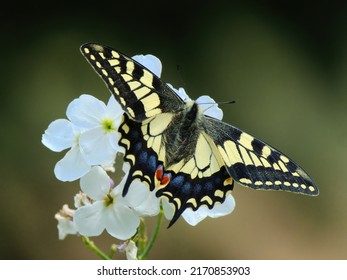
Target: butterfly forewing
[(141, 93), (255, 164)]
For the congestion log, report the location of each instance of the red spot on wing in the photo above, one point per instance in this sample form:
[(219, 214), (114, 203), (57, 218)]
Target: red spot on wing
[(161, 177)]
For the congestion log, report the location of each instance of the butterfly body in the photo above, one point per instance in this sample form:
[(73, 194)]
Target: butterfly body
[(182, 134), (187, 157)]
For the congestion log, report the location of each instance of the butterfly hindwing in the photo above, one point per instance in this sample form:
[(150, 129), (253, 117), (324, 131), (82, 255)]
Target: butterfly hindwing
[(199, 180), (143, 160), (141, 93)]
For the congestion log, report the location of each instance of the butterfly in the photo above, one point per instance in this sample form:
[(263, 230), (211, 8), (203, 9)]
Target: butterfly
[(189, 158)]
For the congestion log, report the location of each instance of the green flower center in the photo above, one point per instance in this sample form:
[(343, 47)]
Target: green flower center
[(108, 125), (109, 200)]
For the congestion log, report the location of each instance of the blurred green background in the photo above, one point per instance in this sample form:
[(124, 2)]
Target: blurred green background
[(284, 63)]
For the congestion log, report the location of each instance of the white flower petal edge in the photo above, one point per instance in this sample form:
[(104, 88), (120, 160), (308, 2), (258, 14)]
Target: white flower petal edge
[(168, 209), (96, 183), (131, 250), (195, 217), (151, 62), (142, 200), (89, 219), (210, 107), (85, 111), (59, 135), (219, 210), (98, 146), (122, 222), (180, 92), (114, 111), (72, 166), (65, 224)]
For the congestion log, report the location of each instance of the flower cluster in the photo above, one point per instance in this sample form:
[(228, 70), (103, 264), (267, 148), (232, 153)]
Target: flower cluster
[(90, 133)]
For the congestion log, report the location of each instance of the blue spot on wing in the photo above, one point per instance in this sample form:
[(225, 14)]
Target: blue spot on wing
[(186, 188), (152, 163)]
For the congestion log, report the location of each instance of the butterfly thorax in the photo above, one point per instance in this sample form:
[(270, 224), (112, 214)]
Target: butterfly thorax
[(182, 134)]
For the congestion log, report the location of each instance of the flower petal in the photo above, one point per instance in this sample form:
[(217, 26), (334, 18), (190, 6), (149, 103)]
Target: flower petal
[(168, 209), (131, 250), (114, 111), (65, 225), (72, 166), (121, 222), (96, 145), (210, 107), (151, 62), (90, 219), (96, 183), (180, 92), (59, 135), (142, 200), (81, 199), (86, 111), (219, 210)]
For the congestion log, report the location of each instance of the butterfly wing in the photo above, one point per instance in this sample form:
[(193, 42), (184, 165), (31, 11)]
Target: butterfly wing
[(141, 93), (255, 164)]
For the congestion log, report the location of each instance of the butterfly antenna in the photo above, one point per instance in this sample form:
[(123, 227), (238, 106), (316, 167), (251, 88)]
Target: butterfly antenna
[(226, 102), (217, 103)]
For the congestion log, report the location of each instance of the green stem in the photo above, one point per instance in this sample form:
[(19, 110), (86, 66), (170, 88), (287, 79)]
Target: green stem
[(142, 238), (113, 250), (90, 245), (153, 238)]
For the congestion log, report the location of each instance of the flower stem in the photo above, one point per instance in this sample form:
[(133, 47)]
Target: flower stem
[(142, 238), (150, 244), (113, 250), (90, 245)]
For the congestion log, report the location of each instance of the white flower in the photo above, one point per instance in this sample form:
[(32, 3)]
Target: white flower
[(65, 223), (109, 210), (61, 134), (100, 122), (91, 132)]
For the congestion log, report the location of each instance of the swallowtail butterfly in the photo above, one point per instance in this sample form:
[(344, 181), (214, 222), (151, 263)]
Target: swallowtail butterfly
[(188, 157)]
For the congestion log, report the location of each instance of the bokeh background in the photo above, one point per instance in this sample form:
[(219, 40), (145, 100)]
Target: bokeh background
[(284, 62)]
